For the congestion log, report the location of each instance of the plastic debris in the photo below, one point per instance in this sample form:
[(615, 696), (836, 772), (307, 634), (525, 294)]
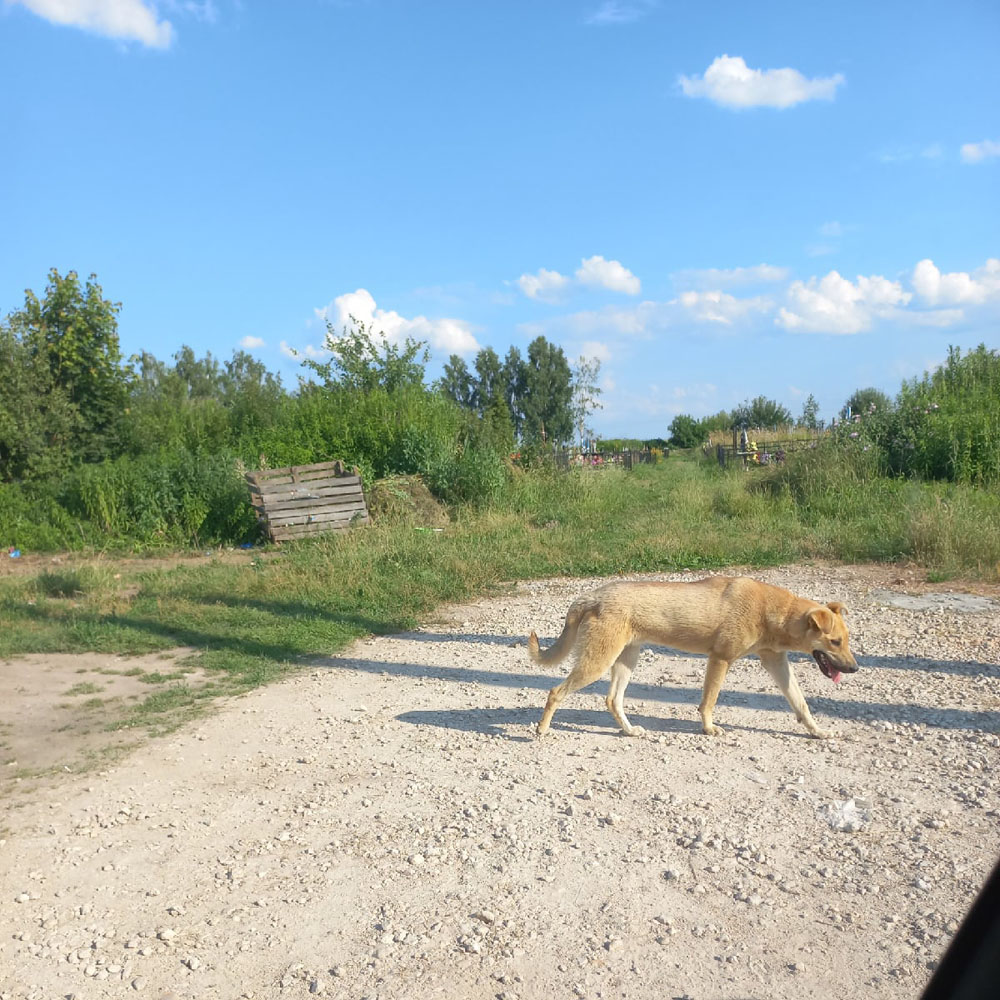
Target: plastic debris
[(847, 816), (14, 553)]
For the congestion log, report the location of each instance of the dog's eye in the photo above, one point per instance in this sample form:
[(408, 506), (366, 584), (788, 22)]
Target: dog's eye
[(834, 642)]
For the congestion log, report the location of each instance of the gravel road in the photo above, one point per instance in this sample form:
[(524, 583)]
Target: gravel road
[(385, 824)]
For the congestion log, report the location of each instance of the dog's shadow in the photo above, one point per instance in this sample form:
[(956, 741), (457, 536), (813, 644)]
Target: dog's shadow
[(518, 724)]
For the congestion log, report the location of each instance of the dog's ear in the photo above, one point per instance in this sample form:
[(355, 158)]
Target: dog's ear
[(821, 619), (837, 608)]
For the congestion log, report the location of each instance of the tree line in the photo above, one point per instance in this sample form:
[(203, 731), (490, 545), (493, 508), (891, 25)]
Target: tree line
[(68, 396)]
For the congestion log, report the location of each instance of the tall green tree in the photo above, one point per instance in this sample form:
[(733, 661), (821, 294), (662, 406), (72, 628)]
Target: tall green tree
[(489, 379), (457, 383), (866, 401), (761, 412), (515, 383), (37, 420), (364, 360), (74, 330), (721, 421), (548, 397), (197, 378), (810, 414), (686, 431)]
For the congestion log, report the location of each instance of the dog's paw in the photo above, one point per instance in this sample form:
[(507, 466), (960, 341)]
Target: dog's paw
[(713, 730), (822, 734), (635, 731)]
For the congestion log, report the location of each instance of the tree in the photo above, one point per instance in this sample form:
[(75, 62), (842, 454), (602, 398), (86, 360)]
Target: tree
[(457, 383), (489, 385), (721, 421), (865, 401), (251, 394), (197, 378), (74, 330), (364, 360), (585, 393), (37, 419), (246, 376), (515, 385), (686, 432), (548, 415), (761, 412), (810, 415)]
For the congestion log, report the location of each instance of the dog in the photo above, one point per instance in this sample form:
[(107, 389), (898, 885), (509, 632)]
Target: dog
[(723, 617)]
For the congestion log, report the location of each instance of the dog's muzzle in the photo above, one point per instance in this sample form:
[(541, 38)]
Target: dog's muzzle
[(831, 669)]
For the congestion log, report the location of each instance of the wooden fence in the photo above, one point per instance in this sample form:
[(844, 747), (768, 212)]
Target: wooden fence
[(303, 500)]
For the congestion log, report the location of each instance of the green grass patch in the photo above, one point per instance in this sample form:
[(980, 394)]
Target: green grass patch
[(253, 621), (84, 688)]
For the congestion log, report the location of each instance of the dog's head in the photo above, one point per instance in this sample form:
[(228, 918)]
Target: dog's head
[(828, 640)]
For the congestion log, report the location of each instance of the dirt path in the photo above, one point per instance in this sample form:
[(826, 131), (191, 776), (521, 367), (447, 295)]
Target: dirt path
[(385, 825)]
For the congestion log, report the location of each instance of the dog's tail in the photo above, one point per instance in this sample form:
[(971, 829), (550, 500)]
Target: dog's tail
[(578, 612)]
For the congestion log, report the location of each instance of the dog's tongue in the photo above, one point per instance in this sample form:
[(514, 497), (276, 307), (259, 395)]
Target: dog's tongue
[(835, 677)]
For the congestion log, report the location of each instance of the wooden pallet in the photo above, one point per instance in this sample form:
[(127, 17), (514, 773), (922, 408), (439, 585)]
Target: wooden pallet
[(301, 500)]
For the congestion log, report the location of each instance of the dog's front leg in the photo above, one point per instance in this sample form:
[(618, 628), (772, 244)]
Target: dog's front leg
[(777, 665), (714, 676)]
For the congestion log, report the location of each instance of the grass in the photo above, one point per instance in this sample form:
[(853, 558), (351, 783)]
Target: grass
[(254, 621), (85, 688)]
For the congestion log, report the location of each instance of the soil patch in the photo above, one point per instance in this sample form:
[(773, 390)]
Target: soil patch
[(60, 710)]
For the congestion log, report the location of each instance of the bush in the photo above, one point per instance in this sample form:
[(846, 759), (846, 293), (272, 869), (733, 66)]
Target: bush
[(32, 519), (944, 426), (176, 499), (686, 432)]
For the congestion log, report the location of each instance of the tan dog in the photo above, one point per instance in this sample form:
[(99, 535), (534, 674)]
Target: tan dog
[(723, 617)]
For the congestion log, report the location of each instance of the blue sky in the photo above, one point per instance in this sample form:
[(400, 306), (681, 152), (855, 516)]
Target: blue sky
[(717, 200)]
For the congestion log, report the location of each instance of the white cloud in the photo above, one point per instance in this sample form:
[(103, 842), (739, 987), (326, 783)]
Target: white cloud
[(714, 277), (595, 349), (608, 274), (957, 287), (596, 272), (252, 342), (831, 229), (935, 317), (636, 321), (200, 10), (297, 353), (976, 152), (721, 307), (620, 11), (128, 20), (648, 319), (694, 390), (452, 336), (904, 154), (545, 285), (837, 305), (731, 83)]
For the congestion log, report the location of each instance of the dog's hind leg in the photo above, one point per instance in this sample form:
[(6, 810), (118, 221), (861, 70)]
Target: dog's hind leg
[(597, 652), (621, 674), (777, 665), (714, 676)]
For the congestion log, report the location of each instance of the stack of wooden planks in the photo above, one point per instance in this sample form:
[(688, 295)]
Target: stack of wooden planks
[(303, 500)]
